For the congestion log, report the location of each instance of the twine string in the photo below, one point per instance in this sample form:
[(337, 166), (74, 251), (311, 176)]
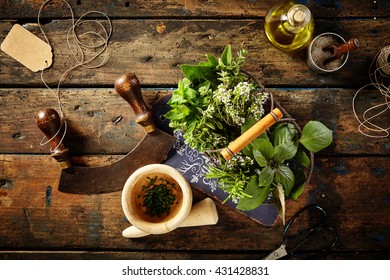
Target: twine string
[(379, 70), (78, 50)]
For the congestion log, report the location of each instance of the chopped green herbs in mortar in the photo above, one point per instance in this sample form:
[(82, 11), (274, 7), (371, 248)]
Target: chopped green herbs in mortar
[(158, 196)]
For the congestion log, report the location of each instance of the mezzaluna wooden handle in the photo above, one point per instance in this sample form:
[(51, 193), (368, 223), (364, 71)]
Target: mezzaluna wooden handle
[(49, 122), (251, 134), (129, 88)]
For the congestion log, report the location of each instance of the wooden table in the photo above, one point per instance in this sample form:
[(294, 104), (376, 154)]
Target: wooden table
[(153, 38)]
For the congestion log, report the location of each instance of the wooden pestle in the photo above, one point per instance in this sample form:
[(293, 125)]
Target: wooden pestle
[(202, 213), (251, 134)]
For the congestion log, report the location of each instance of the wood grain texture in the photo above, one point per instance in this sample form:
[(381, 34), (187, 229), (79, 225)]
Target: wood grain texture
[(101, 122), (190, 255), (37, 218), (155, 57), (190, 8), (153, 38)]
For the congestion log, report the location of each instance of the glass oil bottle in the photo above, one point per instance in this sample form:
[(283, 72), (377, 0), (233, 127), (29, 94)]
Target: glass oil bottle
[(289, 26)]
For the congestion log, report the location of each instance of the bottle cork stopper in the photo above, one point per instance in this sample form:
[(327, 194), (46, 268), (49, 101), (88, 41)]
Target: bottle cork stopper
[(299, 16)]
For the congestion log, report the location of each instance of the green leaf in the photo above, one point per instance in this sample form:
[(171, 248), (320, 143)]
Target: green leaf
[(212, 60), (178, 113), (197, 74), (219, 124), (190, 94), (248, 150), (284, 133), (258, 195), (226, 56), (266, 176), (284, 152), (177, 98), (316, 136), (302, 158), (300, 180), (204, 89), (191, 72), (279, 201), (262, 151), (285, 177)]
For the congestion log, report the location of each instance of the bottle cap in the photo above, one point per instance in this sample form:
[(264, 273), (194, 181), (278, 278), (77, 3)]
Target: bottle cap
[(298, 16)]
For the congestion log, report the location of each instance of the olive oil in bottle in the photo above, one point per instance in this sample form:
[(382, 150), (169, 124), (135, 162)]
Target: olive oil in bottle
[(289, 27)]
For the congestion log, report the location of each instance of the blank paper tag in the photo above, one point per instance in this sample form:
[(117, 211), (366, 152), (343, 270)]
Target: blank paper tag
[(27, 48)]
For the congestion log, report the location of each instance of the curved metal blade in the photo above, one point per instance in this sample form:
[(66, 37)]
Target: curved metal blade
[(153, 148)]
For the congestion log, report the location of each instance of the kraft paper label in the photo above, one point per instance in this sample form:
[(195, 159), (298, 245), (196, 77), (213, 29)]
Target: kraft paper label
[(28, 49)]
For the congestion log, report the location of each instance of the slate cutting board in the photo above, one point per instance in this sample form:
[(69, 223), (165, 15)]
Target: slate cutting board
[(192, 164)]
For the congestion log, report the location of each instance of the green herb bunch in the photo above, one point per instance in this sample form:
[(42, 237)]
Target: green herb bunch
[(281, 156), (214, 100), (158, 197), (214, 104)]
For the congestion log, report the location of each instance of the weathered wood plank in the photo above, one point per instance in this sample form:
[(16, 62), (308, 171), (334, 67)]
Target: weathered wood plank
[(101, 122), (136, 45), (183, 255), (189, 8), (153, 38), (354, 191)]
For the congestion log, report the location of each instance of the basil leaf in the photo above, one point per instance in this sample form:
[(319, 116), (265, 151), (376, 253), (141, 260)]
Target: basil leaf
[(247, 151), (258, 195), (284, 133), (302, 158), (279, 201), (191, 72), (316, 136), (212, 60), (284, 152), (262, 151), (266, 176), (285, 177), (226, 56), (197, 74), (300, 179)]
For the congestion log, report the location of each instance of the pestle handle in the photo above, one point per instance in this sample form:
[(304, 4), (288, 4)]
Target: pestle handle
[(129, 88), (49, 122), (202, 213), (251, 134)]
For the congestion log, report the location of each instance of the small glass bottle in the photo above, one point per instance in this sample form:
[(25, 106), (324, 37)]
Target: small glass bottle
[(289, 26)]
